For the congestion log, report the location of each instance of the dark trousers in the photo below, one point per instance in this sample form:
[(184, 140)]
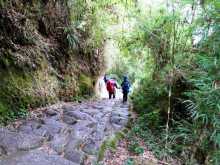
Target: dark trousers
[(111, 94), (125, 96)]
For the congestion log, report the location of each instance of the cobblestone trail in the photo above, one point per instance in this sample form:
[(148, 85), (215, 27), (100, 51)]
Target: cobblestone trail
[(62, 134)]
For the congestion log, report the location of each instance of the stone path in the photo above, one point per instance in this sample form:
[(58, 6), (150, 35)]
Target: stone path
[(62, 134)]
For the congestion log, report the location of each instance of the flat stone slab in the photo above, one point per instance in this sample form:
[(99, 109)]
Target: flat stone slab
[(12, 142), (35, 157), (64, 134)]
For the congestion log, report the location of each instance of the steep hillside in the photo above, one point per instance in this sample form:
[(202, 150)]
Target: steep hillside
[(43, 59)]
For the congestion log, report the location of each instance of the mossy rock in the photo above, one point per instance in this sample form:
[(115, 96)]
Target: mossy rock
[(85, 85), (21, 91)]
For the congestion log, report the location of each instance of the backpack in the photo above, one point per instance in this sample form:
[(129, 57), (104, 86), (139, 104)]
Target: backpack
[(126, 86), (110, 86)]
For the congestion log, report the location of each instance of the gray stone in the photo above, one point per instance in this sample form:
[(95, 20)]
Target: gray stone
[(83, 128), (75, 156), (26, 128), (118, 120), (69, 120), (29, 126), (51, 112), (35, 157), (53, 126), (29, 141), (90, 112), (79, 115), (42, 132), (98, 116), (13, 141), (8, 141), (91, 147), (120, 113), (67, 108), (91, 125), (59, 143), (2, 151), (73, 144)]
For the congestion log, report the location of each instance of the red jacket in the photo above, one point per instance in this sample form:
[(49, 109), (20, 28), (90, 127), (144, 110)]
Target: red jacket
[(110, 85)]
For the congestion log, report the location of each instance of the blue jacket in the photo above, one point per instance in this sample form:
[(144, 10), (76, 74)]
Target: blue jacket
[(125, 85)]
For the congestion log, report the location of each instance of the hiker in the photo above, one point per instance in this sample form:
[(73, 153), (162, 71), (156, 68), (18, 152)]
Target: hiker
[(105, 78), (125, 88), (111, 86)]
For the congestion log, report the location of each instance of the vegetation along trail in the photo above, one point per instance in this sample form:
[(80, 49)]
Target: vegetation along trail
[(54, 106)]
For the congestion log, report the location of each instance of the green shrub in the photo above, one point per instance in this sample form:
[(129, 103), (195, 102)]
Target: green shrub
[(129, 161), (135, 148), (151, 119), (149, 97)]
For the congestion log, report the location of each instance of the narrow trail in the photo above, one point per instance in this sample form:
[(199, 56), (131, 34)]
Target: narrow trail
[(62, 134)]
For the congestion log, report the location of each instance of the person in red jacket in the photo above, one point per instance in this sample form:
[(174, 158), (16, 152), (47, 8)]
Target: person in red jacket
[(111, 86)]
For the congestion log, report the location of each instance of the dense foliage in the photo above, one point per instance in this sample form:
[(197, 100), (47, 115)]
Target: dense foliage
[(178, 98)]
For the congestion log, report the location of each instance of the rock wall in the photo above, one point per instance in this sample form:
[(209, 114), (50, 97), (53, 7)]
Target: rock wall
[(37, 65)]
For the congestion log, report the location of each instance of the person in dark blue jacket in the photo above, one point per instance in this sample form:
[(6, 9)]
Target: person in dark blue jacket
[(125, 88), (105, 78)]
